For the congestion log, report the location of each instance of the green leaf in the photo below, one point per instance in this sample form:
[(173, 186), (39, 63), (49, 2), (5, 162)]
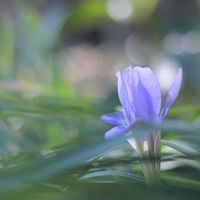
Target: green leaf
[(179, 148), (112, 176), (173, 179)]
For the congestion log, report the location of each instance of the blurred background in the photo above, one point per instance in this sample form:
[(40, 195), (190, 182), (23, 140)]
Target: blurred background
[(84, 43), (58, 60)]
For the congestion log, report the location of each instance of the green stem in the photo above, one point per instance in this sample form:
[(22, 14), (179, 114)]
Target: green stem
[(149, 151)]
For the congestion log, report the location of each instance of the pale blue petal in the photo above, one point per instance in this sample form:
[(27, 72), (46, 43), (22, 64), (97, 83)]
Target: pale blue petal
[(125, 84), (143, 104), (116, 118), (142, 98), (122, 92), (113, 132), (173, 93), (118, 130), (151, 86)]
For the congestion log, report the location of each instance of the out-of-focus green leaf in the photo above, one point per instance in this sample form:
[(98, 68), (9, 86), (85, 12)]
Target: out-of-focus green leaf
[(183, 110), (173, 179), (87, 13), (179, 148), (6, 48), (43, 170), (179, 127), (112, 176)]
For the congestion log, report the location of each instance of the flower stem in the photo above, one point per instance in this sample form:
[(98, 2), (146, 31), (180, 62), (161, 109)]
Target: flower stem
[(151, 159), (149, 152)]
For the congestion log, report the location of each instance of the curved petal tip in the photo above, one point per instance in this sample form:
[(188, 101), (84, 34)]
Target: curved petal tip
[(113, 132), (173, 92), (116, 118)]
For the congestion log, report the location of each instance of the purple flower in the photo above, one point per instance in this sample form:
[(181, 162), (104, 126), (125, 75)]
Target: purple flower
[(140, 96)]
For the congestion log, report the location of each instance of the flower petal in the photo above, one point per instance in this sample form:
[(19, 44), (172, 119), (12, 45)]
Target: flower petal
[(142, 102), (145, 105), (152, 87), (116, 118), (173, 93), (113, 132), (125, 83)]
